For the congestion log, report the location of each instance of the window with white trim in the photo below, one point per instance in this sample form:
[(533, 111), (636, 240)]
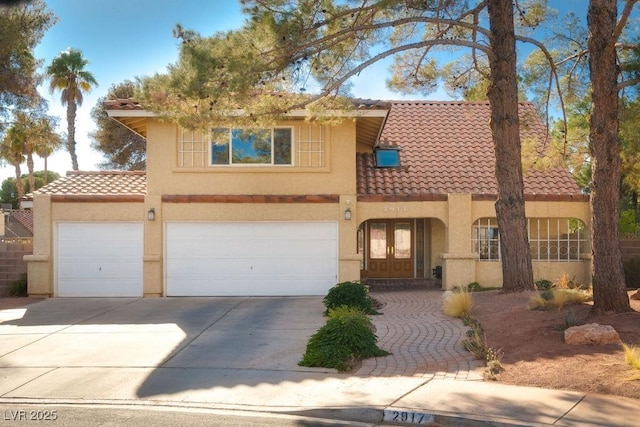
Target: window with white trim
[(303, 146), (192, 150), (486, 239), (310, 146), (557, 239), (251, 146), (550, 239)]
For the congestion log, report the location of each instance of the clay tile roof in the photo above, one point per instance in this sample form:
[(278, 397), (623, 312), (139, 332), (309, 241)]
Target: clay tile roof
[(370, 104), (25, 218), (97, 183), (447, 147), (122, 104)]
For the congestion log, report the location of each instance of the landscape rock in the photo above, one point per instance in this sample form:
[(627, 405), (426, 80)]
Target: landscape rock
[(591, 334)]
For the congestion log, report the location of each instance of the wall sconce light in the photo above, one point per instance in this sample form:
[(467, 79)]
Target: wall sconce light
[(151, 215), (347, 214)]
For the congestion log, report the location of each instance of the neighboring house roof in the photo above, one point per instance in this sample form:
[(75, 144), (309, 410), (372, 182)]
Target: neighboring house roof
[(18, 223), (447, 147), (96, 183), (25, 218)]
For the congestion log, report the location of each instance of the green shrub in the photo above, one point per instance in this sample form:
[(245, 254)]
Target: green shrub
[(543, 284), (18, 288), (474, 287), (632, 273), (475, 343), (627, 224), (350, 294), (346, 338), (571, 319)]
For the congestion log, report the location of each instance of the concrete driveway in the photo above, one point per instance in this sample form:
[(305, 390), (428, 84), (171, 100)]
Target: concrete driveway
[(47, 344)]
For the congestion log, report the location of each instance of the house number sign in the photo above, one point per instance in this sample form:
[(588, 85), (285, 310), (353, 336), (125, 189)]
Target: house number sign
[(407, 417), (398, 208)]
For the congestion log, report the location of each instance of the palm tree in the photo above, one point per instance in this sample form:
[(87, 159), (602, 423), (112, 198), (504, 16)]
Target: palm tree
[(11, 151), (46, 146), (43, 141), (67, 74)]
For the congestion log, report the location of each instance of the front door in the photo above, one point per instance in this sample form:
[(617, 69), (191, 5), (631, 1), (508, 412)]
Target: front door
[(390, 249)]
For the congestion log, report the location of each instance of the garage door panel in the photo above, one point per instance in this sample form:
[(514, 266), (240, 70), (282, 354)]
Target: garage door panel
[(97, 288), (276, 258), (193, 268), (90, 267), (108, 250), (315, 251), (94, 269), (250, 269), (234, 286), (99, 259)]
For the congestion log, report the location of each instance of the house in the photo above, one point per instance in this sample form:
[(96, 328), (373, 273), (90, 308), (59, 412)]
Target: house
[(396, 190), (16, 223)]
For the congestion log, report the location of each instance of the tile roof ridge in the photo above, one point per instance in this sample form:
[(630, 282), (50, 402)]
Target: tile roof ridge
[(447, 102), (436, 101), (122, 104), (104, 173)]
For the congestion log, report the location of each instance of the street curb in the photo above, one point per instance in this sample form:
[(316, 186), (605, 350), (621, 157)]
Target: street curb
[(360, 415)]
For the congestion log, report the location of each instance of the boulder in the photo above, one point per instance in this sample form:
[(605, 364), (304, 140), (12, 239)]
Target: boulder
[(591, 334)]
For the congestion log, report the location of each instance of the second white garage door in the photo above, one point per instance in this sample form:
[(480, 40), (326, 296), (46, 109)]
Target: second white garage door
[(241, 258)]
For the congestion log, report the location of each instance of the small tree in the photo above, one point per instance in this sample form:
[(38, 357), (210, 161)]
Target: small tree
[(9, 192), (22, 26), (122, 147)]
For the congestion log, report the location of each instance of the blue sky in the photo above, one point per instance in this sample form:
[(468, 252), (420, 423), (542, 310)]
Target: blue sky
[(123, 39)]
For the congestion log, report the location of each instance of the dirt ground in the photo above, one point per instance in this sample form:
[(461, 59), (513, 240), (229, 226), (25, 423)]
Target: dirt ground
[(533, 344), (535, 353)]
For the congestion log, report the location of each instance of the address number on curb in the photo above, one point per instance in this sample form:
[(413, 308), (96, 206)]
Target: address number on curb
[(407, 417)]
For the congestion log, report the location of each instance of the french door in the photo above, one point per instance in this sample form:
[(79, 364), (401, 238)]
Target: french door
[(391, 253)]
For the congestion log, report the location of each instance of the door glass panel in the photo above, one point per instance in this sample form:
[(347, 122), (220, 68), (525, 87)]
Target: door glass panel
[(378, 240), (402, 240)]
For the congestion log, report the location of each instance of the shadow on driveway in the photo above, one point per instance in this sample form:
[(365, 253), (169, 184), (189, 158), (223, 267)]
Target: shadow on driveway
[(113, 348)]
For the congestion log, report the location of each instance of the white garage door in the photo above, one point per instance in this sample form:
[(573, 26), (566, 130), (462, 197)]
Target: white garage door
[(99, 259), (241, 258)]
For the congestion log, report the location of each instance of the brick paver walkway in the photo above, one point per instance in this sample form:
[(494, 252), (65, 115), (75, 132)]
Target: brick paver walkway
[(423, 341)]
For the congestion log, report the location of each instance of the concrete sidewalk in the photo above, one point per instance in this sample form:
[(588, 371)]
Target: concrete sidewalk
[(242, 353)]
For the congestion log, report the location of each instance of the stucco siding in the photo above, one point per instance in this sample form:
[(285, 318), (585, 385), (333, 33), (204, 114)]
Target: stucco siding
[(336, 177)]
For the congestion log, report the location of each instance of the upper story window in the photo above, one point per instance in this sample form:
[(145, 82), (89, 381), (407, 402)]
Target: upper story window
[(251, 146), (302, 145)]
